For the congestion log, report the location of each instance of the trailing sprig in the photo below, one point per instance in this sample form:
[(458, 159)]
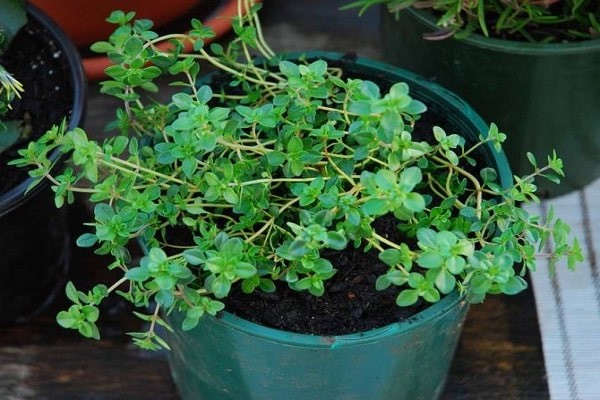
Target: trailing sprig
[(271, 165)]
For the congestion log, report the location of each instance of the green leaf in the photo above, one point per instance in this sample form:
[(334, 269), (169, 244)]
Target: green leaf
[(427, 238), (245, 270), (87, 240), (137, 274), (298, 248), (165, 298), (230, 196), (336, 240), (410, 177), (205, 94), (468, 212), (488, 174), (480, 284), (295, 145), (276, 158), (71, 292), (445, 281), (318, 67), (289, 69), (66, 320), (407, 297), (101, 47), (220, 287), (386, 179), (414, 202), (515, 285), (431, 295), (90, 313), (103, 212), (232, 247), (430, 259), (391, 257), (192, 318), (375, 207), (370, 89), (165, 281), (360, 153), (189, 323), (194, 256), (303, 284), (213, 306), (89, 330), (382, 283)]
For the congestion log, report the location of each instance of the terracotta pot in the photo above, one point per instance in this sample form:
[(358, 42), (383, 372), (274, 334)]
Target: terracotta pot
[(84, 21)]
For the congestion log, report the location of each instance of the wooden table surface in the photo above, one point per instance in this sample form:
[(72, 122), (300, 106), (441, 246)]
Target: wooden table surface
[(499, 355)]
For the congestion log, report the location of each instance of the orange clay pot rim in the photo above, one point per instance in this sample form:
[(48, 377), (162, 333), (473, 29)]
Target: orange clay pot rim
[(219, 21)]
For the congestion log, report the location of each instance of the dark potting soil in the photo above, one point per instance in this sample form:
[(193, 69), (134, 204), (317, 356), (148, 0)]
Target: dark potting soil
[(351, 304), (37, 61)]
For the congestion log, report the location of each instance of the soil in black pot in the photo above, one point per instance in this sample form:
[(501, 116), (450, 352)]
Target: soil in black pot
[(38, 62)]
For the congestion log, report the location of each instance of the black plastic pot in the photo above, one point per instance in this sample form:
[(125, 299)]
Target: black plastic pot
[(543, 96), (34, 240)]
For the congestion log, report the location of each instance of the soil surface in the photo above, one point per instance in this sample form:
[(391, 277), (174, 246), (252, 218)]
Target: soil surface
[(36, 60), (350, 304)]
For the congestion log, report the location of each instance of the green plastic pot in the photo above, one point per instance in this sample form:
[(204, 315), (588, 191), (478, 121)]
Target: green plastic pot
[(543, 96), (229, 358)]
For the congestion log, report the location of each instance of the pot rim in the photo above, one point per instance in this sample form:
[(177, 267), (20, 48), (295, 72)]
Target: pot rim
[(512, 46)]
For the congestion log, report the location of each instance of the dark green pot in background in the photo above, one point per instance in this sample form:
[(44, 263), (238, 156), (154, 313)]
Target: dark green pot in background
[(228, 358), (543, 96)]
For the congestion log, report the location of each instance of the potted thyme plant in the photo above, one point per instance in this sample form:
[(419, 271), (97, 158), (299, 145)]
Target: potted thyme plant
[(41, 83), (540, 59), (324, 187)]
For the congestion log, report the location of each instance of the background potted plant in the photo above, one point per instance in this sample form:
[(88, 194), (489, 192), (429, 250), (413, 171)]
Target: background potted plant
[(41, 84), (540, 59), (274, 177)]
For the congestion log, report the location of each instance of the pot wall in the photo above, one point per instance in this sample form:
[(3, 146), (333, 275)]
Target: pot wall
[(543, 97), (230, 358)]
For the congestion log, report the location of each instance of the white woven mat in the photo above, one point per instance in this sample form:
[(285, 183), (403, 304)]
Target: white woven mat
[(568, 303)]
